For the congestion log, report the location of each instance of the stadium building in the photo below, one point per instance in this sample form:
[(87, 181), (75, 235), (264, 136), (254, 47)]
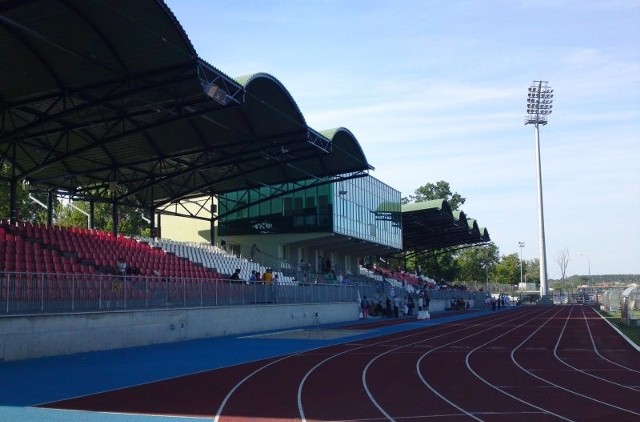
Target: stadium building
[(109, 102)]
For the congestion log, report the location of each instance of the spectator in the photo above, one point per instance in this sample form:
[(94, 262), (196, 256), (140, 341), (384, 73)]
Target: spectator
[(326, 265), (267, 277), (378, 309), (122, 266), (364, 307), (121, 269), (410, 305), (236, 275)]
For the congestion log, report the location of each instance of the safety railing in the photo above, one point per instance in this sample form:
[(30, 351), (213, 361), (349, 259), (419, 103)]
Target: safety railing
[(31, 293)]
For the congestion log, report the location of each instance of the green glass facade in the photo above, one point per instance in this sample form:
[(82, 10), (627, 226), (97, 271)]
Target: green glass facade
[(362, 208), (365, 208)]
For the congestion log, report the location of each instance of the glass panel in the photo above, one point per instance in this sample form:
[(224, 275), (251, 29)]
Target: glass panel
[(365, 208)]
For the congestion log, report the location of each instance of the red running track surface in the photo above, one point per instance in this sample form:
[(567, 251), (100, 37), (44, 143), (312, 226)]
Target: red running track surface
[(538, 363)]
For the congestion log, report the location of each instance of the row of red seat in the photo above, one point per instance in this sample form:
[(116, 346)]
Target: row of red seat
[(400, 276), (26, 247)]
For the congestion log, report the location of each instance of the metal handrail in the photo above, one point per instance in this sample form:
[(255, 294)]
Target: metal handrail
[(38, 293)]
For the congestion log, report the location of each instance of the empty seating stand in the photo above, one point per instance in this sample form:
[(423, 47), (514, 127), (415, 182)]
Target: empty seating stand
[(212, 257), (52, 269), (48, 264), (35, 248)]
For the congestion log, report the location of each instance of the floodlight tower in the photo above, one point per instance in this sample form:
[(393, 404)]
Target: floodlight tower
[(539, 105), (589, 262)]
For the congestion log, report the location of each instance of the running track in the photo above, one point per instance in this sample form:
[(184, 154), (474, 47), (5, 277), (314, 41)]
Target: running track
[(537, 363)]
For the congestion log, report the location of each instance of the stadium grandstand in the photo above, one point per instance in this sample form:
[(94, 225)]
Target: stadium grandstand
[(108, 102)]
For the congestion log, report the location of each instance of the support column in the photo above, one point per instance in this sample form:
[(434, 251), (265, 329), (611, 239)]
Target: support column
[(212, 222), (13, 191), (114, 216), (13, 201), (92, 215), (152, 222), (50, 208)]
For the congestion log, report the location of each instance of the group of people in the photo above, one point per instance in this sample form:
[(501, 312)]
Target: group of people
[(325, 274), (500, 302), (121, 269), (256, 277), (458, 304), (393, 307)]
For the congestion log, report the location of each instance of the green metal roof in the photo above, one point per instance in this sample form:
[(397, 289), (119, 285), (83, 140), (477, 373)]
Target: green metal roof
[(433, 225), (110, 98)]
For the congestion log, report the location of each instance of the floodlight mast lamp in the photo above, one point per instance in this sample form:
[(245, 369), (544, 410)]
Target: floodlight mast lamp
[(539, 106)]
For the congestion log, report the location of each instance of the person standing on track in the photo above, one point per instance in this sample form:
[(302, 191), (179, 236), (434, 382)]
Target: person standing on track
[(364, 307)]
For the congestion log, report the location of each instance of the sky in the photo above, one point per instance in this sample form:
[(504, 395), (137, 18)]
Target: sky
[(436, 90)]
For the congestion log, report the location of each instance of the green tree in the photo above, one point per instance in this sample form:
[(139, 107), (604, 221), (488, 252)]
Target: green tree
[(438, 264), (473, 261), (507, 271), (27, 209), (532, 271), (67, 216), (439, 190), (130, 219)]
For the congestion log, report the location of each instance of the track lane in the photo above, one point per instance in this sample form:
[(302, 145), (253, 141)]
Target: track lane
[(396, 371), (473, 394), (493, 368), (573, 392), (324, 408), (611, 347), (577, 350), (292, 371), (393, 382)]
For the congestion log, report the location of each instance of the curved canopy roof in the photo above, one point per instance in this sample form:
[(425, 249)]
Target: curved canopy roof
[(433, 225), (109, 100)]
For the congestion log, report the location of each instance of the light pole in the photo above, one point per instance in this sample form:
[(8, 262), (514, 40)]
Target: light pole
[(485, 267), (539, 105), (521, 245), (589, 268)]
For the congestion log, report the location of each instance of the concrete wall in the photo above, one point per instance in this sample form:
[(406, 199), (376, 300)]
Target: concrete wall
[(26, 337)]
